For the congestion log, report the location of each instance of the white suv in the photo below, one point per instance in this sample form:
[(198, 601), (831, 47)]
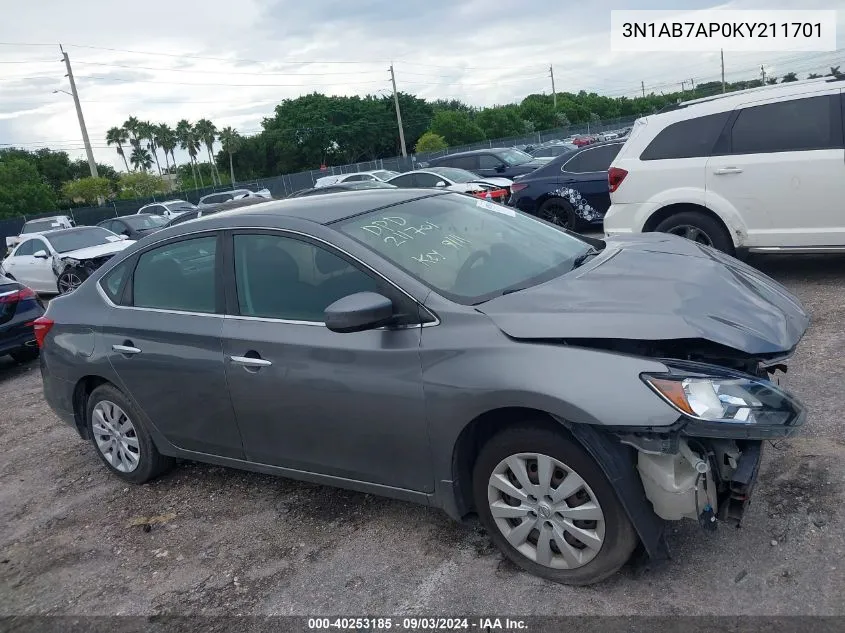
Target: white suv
[(762, 170)]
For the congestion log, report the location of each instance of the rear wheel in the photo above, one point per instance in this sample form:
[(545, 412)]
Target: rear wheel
[(698, 227), (549, 507), (120, 438), (70, 280), (560, 212)]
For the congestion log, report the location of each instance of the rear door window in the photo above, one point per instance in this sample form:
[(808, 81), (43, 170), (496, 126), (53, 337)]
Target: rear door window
[(462, 162), (788, 126), (177, 276), (594, 159), (427, 180), (692, 138)]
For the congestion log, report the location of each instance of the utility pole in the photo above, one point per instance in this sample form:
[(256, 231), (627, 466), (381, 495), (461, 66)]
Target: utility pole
[(398, 113), (554, 93), (692, 83), (763, 73), (683, 84), (642, 84), (722, 53), (92, 164)]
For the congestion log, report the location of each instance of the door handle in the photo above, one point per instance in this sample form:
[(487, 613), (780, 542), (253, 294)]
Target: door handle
[(727, 170), (248, 361), (125, 349)]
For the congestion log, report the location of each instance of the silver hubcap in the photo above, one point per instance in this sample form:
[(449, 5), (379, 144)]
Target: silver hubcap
[(692, 233), (546, 511), (116, 436), (68, 282)]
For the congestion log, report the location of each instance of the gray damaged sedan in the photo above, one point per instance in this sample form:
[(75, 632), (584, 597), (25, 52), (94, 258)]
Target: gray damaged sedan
[(577, 394)]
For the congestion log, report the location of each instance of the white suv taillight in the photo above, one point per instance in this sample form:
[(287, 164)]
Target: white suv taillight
[(615, 176)]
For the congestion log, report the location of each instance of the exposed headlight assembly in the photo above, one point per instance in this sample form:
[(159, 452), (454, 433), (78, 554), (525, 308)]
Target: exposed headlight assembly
[(722, 403)]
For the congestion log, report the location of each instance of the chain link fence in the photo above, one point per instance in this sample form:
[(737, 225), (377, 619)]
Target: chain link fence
[(284, 185)]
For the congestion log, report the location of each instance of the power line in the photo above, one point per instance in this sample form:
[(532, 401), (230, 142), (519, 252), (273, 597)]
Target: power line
[(221, 72)]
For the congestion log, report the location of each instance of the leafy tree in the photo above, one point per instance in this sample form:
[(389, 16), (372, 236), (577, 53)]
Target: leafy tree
[(133, 126), (539, 110), (430, 142), (141, 159), (500, 121), (771, 81), (188, 141), (140, 184), (89, 189), (456, 127), (231, 141), (22, 189), (168, 141), (206, 133), (788, 77), (118, 136)]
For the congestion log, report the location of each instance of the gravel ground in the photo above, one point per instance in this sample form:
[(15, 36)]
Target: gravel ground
[(240, 543)]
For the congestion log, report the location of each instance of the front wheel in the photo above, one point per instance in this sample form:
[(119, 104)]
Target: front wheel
[(70, 280), (549, 507)]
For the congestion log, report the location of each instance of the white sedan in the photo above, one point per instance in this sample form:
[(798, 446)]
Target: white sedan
[(59, 261), (382, 175), (453, 179)]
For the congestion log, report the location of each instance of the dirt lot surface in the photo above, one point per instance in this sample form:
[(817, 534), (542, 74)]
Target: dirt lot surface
[(240, 543)]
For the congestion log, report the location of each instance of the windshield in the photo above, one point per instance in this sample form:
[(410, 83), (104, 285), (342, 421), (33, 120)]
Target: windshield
[(514, 157), (180, 206), (454, 174), (466, 249), (40, 225), (74, 239), (141, 222)]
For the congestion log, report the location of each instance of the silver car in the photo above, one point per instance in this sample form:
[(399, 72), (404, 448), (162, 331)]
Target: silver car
[(576, 394)]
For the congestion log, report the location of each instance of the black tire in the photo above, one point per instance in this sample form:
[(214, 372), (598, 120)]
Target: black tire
[(151, 463), (713, 232), (558, 211), (66, 276), (24, 355), (620, 539)]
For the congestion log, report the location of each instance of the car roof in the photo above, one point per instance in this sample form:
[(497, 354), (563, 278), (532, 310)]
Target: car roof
[(126, 217), (475, 152), (75, 229), (323, 209)]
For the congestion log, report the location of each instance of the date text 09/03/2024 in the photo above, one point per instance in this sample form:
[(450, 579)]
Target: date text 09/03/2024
[(415, 624)]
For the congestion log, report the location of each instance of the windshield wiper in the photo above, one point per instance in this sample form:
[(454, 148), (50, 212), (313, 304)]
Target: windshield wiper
[(584, 257)]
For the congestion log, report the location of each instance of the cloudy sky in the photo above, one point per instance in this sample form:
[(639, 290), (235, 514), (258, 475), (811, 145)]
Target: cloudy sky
[(164, 60)]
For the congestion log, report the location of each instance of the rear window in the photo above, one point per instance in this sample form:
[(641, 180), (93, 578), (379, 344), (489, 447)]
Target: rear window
[(788, 126), (594, 159), (692, 138), (40, 225)]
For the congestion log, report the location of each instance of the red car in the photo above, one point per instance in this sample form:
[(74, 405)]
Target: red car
[(580, 141)]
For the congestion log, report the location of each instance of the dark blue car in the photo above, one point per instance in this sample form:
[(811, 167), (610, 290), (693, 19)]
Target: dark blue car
[(570, 190)]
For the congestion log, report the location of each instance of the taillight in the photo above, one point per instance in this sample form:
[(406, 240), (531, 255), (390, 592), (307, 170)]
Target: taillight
[(18, 295), (518, 186), (41, 326), (615, 176)]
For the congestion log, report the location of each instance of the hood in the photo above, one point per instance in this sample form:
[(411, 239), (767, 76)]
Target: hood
[(496, 182), (91, 252), (657, 287)]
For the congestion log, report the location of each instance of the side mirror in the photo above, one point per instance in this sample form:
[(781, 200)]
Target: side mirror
[(42, 254), (501, 168), (440, 183), (358, 312)]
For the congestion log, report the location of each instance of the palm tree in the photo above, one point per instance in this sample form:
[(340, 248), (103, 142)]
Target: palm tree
[(188, 142), (232, 142), (834, 72), (147, 133), (141, 159), (166, 139), (813, 76), (132, 125), (117, 136), (206, 133), (789, 77)]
